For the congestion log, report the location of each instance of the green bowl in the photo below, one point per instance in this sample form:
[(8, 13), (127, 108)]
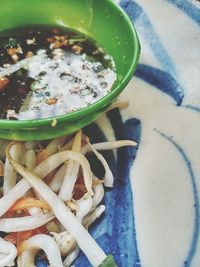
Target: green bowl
[(105, 22)]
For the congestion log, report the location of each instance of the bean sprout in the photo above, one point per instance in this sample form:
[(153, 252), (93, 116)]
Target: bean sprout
[(27, 258), (55, 160), (10, 175), (71, 257), (65, 242), (56, 199), (10, 225), (58, 178), (86, 243), (84, 206), (71, 171), (108, 174), (46, 243), (9, 251)]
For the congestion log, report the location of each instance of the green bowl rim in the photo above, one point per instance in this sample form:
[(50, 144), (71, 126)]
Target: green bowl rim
[(75, 115)]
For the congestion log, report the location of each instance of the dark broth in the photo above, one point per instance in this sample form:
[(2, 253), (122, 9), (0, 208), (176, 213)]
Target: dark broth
[(47, 71)]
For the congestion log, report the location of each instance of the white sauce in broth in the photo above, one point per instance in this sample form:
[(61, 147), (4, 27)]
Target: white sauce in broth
[(46, 71), (68, 80)]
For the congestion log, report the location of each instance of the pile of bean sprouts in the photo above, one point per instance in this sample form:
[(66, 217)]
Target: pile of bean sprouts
[(49, 198)]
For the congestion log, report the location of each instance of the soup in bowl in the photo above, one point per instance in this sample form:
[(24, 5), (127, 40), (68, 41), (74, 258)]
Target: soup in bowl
[(62, 64)]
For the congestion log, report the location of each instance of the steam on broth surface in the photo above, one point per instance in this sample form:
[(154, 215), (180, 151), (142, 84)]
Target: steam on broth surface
[(47, 71)]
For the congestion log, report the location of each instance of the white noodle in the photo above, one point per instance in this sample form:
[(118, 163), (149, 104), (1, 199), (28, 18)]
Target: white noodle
[(48, 244), (19, 224), (9, 251)]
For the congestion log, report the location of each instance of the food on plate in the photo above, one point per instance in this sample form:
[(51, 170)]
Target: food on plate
[(47, 71), (49, 199)]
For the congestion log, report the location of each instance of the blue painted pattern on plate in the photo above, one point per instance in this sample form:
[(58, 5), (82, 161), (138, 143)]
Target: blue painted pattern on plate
[(152, 213)]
